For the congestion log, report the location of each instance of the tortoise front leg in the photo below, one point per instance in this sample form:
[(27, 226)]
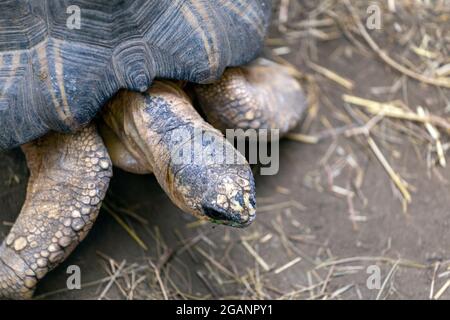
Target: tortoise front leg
[(69, 176)]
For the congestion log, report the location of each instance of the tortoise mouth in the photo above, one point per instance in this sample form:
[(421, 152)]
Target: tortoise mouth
[(222, 216)]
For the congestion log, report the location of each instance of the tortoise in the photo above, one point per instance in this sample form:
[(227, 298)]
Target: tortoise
[(114, 91)]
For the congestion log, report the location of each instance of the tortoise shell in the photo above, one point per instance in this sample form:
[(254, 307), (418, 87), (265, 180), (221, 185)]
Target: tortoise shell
[(56, 75)]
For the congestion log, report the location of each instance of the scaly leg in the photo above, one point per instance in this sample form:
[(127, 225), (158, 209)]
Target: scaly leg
[(69, 176), (261, 95)]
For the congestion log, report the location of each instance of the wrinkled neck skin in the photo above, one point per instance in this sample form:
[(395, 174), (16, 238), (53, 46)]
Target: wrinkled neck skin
[(160, 132)]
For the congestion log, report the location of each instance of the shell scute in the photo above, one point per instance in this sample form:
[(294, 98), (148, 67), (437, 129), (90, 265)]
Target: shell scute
[(53, 77)]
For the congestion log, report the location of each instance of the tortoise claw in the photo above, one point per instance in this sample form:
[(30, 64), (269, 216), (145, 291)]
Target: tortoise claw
[(14, 284)]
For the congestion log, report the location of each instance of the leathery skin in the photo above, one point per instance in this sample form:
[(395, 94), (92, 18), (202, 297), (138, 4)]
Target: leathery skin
[(69, 176)]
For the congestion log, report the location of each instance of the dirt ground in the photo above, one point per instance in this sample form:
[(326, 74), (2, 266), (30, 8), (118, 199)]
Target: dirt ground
[(330, 213)]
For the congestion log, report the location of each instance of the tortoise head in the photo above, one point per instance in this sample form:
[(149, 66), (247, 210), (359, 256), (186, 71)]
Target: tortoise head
[(201, 171)]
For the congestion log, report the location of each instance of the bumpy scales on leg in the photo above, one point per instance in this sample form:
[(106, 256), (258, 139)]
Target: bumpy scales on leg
[(262, 95), (69, 177)]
